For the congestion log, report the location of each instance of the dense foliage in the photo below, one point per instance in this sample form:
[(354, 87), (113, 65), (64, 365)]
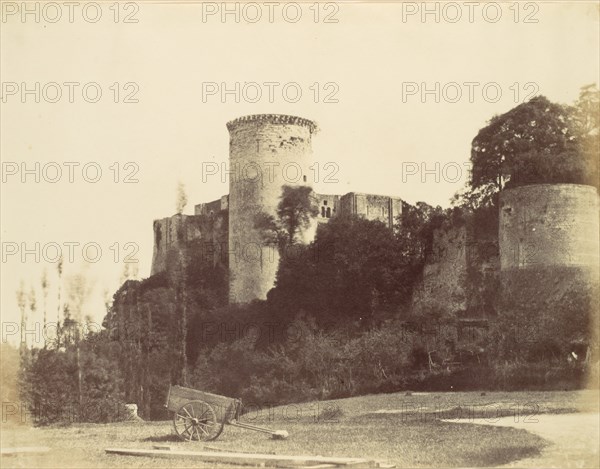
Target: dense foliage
[(50, 384), (538, 142)]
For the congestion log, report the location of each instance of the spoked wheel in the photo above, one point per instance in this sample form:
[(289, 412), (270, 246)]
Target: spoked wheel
[(196, 420)]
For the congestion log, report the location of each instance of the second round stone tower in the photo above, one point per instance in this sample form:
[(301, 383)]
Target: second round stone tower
[(266, 152)]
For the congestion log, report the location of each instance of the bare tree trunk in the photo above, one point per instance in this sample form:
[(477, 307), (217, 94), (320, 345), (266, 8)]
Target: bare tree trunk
[(130, 339), (182, 280), (45, 303), (32, 310), (79, 376), (146, 364), (184, 328), (59, 268), (45, 317), (22, 304), (138, 350), (78, 291)]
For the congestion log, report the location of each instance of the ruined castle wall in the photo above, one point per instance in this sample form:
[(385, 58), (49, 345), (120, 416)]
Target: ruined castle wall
[(194, 235), (372, 207), (210, 208), (266, 152), (328, 205), (549, 224), (460, 277), (170, 233), (443, 287), (213, 245)]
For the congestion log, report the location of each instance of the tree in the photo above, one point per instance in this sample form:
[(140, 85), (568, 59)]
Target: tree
[(182, 200), (586, 123), (181, 295), (586, 111), (134, 271), (354, 272), (59, 270), (45, 286), (22, 304), (295, 211), (32, 300), (415, 231), (533, 143), (125, 275), (78, 292)]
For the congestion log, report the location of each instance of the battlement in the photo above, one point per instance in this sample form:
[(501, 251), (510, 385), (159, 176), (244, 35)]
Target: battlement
[(273, 119)]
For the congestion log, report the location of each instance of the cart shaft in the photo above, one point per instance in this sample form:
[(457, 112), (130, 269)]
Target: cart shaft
[(281, 434)]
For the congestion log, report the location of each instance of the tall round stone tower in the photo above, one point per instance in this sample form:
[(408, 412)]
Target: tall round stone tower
[(549, 257), (544, 225), (266, 152)]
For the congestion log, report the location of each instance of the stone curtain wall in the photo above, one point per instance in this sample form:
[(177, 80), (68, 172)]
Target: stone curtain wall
[(372, 207), (170, 234), (328, 205), (443, 288), (204, 235), (211, 208)]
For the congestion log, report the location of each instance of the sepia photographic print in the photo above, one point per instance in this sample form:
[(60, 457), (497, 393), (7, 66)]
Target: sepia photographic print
[(308, 234)]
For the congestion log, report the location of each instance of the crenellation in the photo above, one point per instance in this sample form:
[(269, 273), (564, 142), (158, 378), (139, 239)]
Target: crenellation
[(273, 119), (255, 141)]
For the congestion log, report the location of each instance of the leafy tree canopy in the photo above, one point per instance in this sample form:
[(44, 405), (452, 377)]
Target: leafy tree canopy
[(295, 211), (537, 142)]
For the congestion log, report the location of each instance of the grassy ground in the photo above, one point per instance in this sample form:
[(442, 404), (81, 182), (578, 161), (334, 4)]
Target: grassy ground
[(394, 428)]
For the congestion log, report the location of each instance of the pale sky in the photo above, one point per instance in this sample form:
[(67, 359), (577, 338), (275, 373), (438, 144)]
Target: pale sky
[(370, 55)]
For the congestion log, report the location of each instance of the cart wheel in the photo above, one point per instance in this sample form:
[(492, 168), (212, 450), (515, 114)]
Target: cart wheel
[(196, 420)]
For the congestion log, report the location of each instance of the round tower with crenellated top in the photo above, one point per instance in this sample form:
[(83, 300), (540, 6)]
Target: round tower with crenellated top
[(266, 152)]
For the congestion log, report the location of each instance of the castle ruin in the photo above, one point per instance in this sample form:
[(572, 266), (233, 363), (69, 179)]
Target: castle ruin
[(541, 227), (266, 152)]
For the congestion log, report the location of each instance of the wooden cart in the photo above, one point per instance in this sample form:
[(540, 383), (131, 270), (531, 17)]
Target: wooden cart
[(199, 415)]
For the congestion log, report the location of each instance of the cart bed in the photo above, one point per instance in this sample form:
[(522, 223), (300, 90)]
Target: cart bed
[(226, 408)]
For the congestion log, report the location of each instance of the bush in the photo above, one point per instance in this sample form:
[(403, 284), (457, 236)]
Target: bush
[(318, 365), (541, 376), (50, 387)]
